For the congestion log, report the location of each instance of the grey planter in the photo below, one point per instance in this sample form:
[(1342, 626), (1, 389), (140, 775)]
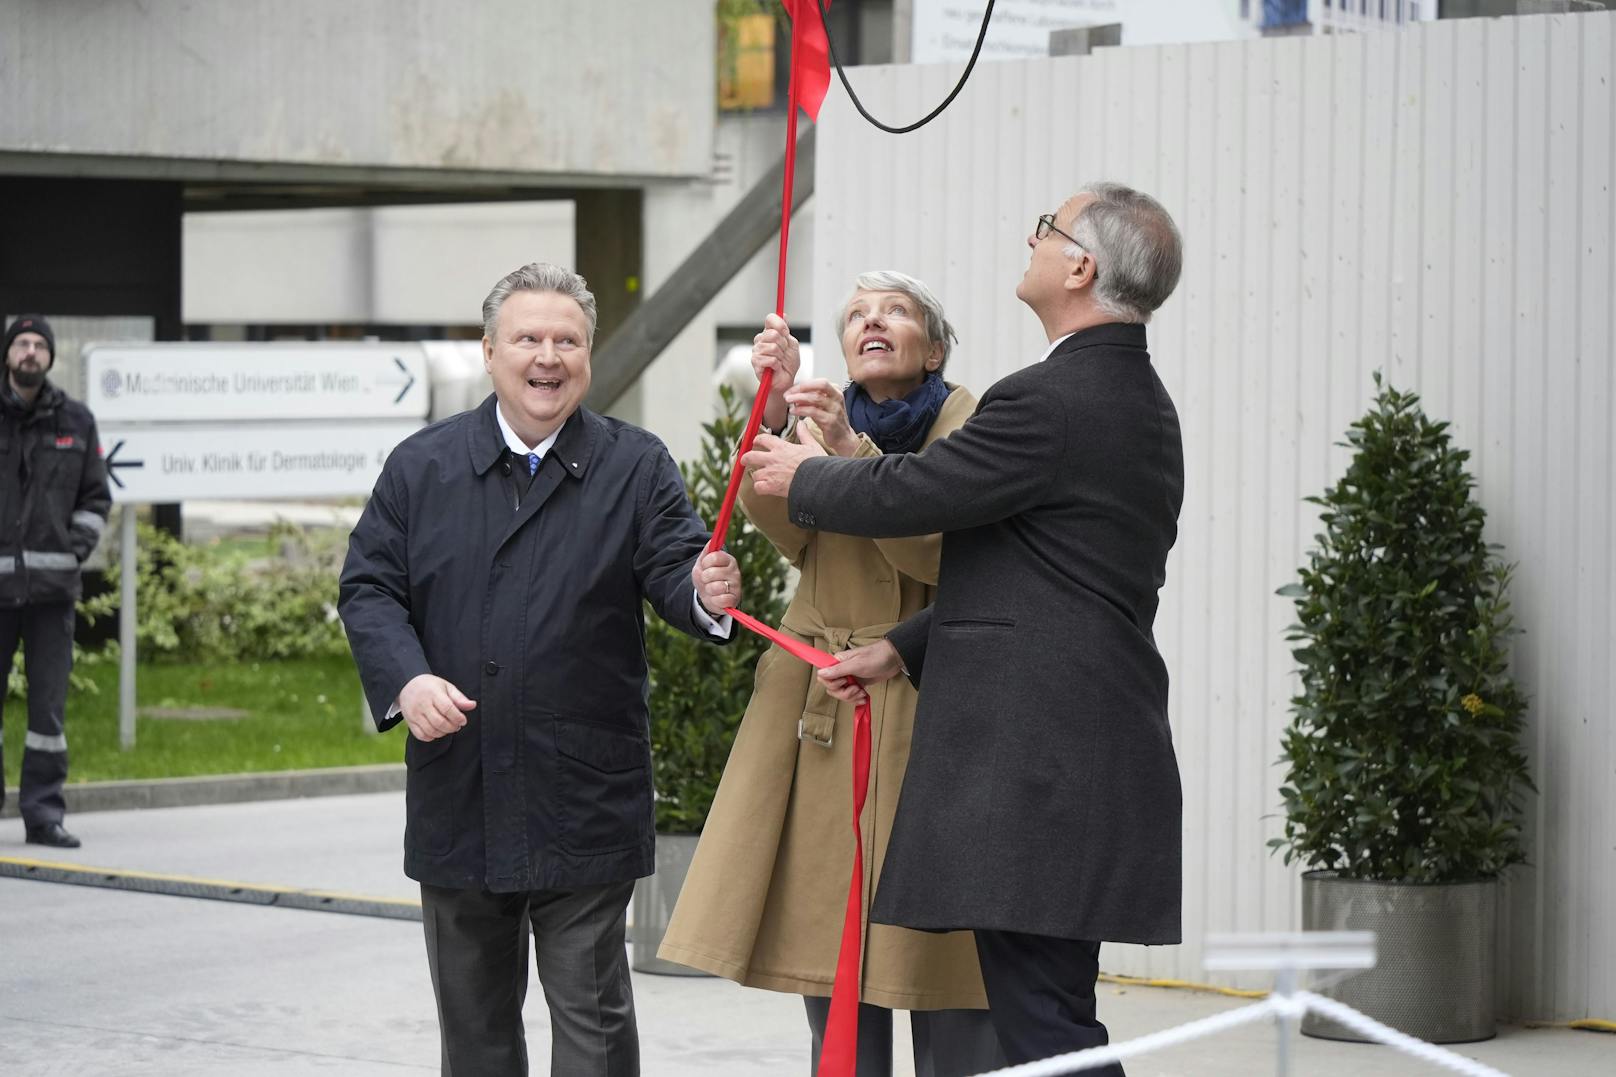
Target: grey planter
[(654, 897), (1436, 952)]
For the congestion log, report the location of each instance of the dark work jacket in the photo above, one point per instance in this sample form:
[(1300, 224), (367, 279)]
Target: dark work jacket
[(53, 495), (1042, 793), (535, 613)]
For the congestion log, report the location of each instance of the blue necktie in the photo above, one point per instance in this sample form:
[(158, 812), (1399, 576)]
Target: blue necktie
[(532, 464)]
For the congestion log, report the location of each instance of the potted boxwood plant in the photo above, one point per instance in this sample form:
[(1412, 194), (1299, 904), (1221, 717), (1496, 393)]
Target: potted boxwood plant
[(1405, 765), (699, 692)]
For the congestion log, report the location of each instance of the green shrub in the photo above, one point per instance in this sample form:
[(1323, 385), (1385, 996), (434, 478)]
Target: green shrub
[(1403, 752), (196, 603), (209, 605), (699, 691)]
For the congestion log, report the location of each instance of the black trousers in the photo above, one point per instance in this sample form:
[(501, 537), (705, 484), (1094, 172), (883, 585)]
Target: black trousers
[(947, 1043), (476, 946), (46, 632), (1041, 995)]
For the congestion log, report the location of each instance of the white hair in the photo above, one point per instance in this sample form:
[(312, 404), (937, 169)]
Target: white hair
[(938, 331), (1136, 247), (539, 277)]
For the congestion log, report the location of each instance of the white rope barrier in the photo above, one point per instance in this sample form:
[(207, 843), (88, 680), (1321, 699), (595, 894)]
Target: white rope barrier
[(1368, 1026), (1280, 1007), (1115, 1052)]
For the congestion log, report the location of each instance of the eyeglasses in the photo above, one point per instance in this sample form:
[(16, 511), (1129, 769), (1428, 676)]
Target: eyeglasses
[(1046, 225)]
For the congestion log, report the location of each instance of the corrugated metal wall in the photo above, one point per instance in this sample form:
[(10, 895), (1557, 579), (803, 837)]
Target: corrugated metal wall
[(1435, 202)]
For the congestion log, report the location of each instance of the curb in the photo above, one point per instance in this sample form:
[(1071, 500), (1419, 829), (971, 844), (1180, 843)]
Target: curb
[(225, 788), (144, 882)]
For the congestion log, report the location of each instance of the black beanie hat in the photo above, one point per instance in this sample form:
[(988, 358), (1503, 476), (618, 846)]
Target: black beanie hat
[(32, 323)]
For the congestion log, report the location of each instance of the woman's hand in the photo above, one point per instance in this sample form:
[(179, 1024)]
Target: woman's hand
[(776, 349), (822, 402)]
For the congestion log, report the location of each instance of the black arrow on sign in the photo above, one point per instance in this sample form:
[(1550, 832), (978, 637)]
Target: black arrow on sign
[(400, 364), (113, 464)]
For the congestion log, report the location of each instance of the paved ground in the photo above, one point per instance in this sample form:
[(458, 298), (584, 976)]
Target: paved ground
[(105, 982)]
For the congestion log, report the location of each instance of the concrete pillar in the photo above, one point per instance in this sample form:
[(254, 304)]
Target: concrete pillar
[(1082, 40), (903, 30), (609, 244)]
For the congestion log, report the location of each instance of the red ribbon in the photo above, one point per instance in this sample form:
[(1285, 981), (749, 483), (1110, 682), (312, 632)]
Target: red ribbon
[(810, 80), (838, 1055)]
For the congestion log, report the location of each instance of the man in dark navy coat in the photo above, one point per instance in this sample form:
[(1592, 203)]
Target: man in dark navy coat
[(1042, 806), (492, 596)]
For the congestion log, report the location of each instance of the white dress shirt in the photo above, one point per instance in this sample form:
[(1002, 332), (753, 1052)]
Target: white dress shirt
[(1057, 342)]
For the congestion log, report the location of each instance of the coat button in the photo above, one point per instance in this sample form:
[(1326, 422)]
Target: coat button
[(491, 667)]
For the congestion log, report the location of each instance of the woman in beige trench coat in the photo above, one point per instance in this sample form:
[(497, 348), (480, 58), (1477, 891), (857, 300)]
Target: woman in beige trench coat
[(766, 893)]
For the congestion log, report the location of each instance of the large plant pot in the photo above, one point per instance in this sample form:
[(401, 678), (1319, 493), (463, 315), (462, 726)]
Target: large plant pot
[(1435, 947), (654, 898)]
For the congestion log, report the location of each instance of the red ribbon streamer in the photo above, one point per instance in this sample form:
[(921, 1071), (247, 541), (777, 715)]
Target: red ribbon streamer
[(810, 80), (839, 1054)]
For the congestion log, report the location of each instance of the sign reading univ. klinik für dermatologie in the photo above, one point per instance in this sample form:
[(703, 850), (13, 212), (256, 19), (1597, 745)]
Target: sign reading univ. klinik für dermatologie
[(188, 421)]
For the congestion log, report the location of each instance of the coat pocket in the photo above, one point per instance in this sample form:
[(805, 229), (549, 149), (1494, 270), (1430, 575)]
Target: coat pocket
[(981, 624), (603, 787), (428, 795)]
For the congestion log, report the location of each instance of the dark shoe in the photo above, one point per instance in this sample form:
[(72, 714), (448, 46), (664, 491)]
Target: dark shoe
[(54, 834)]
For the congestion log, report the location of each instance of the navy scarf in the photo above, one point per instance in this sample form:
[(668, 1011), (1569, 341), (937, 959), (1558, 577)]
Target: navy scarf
[(896, 426)]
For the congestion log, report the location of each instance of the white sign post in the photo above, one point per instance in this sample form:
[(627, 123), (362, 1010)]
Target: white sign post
[(192, 421)]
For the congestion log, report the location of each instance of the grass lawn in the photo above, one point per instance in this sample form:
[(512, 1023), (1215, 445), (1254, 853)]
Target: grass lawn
[(302, 713)]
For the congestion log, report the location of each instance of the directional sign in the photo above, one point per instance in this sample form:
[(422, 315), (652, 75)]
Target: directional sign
[(205, 382), (269, 460)]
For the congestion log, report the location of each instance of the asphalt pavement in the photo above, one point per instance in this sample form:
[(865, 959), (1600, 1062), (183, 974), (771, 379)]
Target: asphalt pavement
[(108, 982)]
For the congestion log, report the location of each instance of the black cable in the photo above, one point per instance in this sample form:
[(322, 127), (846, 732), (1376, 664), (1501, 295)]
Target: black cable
[(934, 113)]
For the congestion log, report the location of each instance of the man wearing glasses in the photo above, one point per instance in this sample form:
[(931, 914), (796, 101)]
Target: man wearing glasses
[(1041, 808)]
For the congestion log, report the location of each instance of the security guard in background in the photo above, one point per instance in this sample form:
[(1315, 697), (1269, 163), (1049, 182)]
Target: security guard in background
[(53, 508)]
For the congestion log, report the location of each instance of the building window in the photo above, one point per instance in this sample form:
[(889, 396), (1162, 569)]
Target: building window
[(1281, 14), (754, 47), (747, 49)]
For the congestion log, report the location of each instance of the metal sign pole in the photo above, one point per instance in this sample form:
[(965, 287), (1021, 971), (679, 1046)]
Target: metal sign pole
[(126, 631)]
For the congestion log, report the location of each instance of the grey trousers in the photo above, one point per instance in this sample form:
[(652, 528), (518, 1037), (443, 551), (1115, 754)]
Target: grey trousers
[(46, 632), (476, 946), (947, 1043)]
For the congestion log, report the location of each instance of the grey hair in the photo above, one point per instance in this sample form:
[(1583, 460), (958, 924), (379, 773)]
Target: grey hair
[(539, 277), (938, 330), (1136, 246)]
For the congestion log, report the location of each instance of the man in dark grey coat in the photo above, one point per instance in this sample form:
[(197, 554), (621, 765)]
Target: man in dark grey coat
[(492, 596), (1042, 805)]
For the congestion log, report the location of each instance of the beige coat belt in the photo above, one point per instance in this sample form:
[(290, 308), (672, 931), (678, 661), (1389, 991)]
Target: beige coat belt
[(818, 720)]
